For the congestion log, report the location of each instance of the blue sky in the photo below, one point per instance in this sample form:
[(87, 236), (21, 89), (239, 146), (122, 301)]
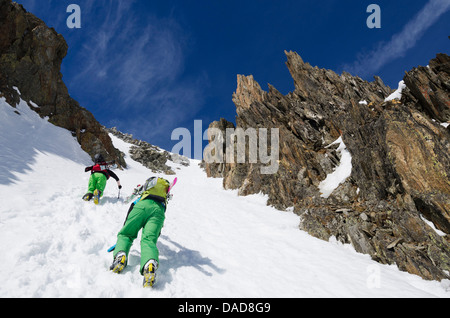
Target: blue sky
[(148, 67)]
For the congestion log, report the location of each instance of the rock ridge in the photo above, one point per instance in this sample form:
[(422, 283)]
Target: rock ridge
[(395, 205), (150, 156)]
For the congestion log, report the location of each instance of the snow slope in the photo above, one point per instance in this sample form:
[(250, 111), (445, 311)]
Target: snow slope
[(214, 243)]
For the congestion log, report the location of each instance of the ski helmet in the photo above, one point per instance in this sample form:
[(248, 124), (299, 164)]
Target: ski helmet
[(98, 158)]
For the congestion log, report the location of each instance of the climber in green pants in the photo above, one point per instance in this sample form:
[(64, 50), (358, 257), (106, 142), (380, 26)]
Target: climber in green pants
[(146, 213), (97, 181), (100, 173)]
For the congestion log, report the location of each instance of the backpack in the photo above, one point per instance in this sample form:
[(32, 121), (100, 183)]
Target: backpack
[(156, 189), (100, 167)]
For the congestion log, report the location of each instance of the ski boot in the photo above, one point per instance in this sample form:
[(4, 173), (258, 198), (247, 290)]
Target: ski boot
[(97, 195), (119, 263), (87, 197), (149, 273)]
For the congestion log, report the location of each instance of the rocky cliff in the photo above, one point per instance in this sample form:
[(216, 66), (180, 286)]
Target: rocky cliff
[(150, 156), (30, 59), (399, 187)]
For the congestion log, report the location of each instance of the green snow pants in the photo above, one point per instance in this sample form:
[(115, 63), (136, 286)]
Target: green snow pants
[(97, 181), (149, 216)]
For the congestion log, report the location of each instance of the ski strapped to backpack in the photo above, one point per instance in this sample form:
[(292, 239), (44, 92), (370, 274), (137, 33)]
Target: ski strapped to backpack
[(155, 188)]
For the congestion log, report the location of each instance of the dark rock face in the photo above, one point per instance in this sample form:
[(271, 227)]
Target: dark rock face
[(400, 163), (430, 87), (30, 59)]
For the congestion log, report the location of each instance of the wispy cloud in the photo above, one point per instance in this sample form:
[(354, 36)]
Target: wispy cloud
[(137, 62), (370, 63), (104, 40)]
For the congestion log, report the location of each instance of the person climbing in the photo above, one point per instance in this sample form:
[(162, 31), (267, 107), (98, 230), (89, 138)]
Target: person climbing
[(100, 173), (146, 213)]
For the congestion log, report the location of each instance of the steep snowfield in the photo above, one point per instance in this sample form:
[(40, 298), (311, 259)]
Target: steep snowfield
[(214, 243)]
